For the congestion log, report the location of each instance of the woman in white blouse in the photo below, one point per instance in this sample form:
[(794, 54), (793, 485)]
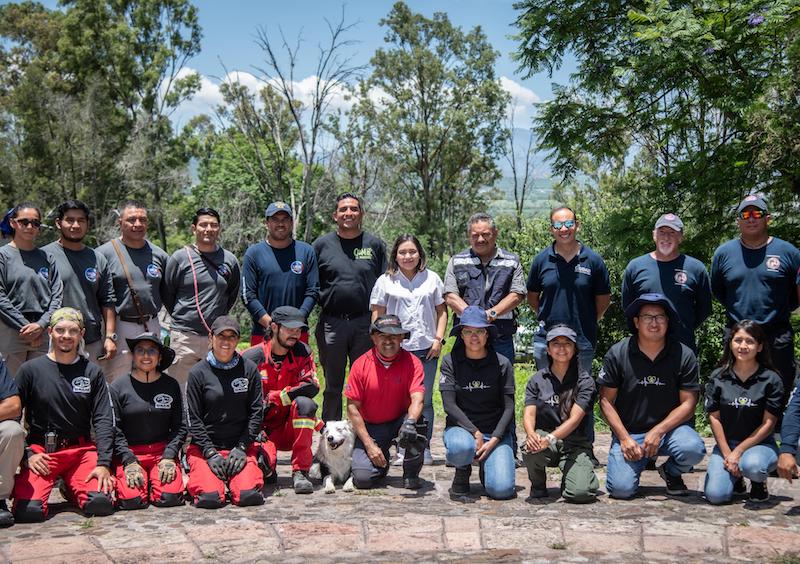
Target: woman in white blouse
[(415, 294)]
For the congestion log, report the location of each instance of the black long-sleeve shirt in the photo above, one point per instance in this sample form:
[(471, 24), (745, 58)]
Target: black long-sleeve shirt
[(147, 413), (69, 399), (224, 406)]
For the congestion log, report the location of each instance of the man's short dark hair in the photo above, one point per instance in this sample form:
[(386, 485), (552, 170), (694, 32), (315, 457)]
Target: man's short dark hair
[(559, 208), (345, 196), (480, 217), (68, 205), (136, 204), (205, 211)]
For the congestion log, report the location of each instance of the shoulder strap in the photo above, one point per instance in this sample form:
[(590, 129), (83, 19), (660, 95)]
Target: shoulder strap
[(134, 294), (196, 290)]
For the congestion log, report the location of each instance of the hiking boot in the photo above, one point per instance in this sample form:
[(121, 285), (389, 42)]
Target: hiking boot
[(739, 487), (675, 485), (302, 485), (427, 457), (758, 492), (411, 482), (651, 464), (460, 485), (537, 493), (6, 518)]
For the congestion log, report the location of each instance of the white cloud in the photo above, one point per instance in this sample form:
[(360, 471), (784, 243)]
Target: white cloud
[(521, 103)]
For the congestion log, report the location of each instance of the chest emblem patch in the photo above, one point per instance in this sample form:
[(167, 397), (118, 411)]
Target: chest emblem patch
[(362, 254), (553, 401), (583, 270), (773, 263), (651, 381), (223, 270), (475, 385), (681, 277), (81, 385), (90, 274), (163, 401), (44, 273), (742, 402), (153, 271), (239, 385)]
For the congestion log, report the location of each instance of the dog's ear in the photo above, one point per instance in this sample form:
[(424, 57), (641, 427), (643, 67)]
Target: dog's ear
[(349, 425)]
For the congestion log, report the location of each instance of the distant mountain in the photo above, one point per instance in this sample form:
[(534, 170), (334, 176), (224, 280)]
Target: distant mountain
[(537, 198)]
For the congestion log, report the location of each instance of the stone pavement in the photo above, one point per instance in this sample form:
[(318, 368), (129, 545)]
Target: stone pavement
[(394, 525)]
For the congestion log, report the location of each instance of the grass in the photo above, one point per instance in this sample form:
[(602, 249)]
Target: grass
[(87, 523)]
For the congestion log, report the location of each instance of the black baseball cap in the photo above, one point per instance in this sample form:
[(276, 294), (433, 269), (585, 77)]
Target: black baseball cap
[(290, 317), (389, 324), (225, 323)]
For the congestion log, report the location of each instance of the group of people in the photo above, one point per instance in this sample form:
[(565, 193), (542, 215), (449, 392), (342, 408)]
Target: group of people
[(120, 415)]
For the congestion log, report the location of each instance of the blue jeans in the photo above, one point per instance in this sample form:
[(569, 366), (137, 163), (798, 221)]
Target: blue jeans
[(498, 468), (505, 346), (756, 463), (429, 366), (683, 445)]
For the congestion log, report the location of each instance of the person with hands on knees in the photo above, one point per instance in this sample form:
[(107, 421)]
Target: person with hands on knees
[(557, 399), (385, 392), (150, 428), (65, 398), (790, 438), (477, 387), (648, 393), (225, 410), (743, 401)]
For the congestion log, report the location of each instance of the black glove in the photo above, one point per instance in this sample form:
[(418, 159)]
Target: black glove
[(408, 432), (410, 439), (236, 460), (218, 465)]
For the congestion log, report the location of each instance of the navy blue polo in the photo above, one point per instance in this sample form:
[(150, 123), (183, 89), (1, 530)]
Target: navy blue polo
[(568, 289), (684, 280), (758, 284)]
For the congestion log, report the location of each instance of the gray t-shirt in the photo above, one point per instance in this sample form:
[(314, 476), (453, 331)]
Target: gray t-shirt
[(146, 266), (87, 284), (218, 279), (30, 287)]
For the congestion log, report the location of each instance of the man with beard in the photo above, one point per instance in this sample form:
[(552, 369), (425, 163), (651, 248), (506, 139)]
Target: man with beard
[(87, 279), (277, 272), (201, 283), (289, 382), (66, 402)]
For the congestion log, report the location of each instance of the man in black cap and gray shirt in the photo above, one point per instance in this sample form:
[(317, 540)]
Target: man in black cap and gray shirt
[(137, 269), (201, 283), (88, 286), (350, 261)]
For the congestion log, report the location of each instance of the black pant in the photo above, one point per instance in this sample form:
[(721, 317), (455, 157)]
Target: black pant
[(365, 474)]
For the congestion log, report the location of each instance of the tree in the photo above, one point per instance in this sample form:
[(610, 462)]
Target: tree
[(521, 163)]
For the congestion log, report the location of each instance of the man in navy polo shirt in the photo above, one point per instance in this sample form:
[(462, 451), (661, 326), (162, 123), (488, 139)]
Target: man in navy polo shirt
[(755, 277), (648, 392), (683, 279)]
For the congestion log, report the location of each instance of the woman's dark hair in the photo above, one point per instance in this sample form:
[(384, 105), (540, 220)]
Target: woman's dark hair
[(393, 266), (566, 399), (764, 358), (8, 231)]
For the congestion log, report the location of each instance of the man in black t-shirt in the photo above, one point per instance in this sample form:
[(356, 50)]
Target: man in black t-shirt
[(648, 392), (350, 261)]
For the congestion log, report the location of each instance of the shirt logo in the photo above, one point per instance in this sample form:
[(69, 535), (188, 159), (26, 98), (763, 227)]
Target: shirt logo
[(90, 274), (81, 385), (773, 263), (362, 254), (239, 385), (475, 385), (223, 270), (742, 402), (163, 401), (153, 271), (44, 273), (297, 267), (583, 270), (680, 277), (553, 401), (651, 381)]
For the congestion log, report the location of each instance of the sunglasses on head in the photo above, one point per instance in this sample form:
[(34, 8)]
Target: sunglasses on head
[(755, 214), (569, 224), (25, 222)]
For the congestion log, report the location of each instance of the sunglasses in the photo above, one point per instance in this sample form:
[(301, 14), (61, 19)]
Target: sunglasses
[(24, 222), (569, 224), (755, 214)]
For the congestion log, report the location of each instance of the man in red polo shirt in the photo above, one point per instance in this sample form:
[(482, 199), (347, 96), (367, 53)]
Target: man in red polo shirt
[(289, 382), (384, 394)]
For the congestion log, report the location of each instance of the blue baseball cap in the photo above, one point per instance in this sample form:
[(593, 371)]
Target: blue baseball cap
[(278, 206)]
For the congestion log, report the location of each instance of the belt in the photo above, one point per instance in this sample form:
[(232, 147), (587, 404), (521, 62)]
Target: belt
[(62, 443), (346, 316), (137, 319)]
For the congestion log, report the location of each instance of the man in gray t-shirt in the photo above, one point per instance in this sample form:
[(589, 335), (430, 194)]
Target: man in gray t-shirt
[(87, 279), (201, 283), (146, 264)]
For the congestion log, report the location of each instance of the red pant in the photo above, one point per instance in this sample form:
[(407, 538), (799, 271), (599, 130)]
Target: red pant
[(149, 456), (203, 480), (258, 339), (72, 464), (288, 430)]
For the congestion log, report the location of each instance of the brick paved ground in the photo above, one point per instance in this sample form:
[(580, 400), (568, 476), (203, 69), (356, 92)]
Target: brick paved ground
[(392, 525)]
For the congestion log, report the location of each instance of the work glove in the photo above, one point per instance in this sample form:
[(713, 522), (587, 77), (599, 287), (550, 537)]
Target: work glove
[(134, 475), (218, 465), (167, 470), (236, 461), (408, 432)]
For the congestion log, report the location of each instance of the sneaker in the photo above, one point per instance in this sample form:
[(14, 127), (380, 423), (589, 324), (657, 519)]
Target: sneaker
[(401, 455), (460, 485), (538, 493), (6, 518), (739, 487), (302, 485), (758, 491), (411, 482), (675, 485), (427, 457)]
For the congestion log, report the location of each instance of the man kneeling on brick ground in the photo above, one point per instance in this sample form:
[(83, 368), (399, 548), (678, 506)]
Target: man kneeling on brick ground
[(150, 428), (289, 382), (385, 393), (225, 409), (64, 396), (648, 392)]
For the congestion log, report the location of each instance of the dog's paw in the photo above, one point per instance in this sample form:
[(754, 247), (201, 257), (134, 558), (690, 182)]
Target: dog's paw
[(315, 473), (327, 485), (348, 485)]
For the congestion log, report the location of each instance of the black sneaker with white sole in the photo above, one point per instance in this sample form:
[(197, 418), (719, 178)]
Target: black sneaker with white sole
[(675, 485), (739, 487), (758, 491)]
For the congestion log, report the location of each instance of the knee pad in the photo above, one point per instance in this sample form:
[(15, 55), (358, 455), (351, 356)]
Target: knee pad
[(28, 511), (132, 503), (209, 500), (99, 504), (305, 406), (250, 497), (169, 500)]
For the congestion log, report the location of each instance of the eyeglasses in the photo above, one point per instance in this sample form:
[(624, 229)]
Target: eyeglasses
[(473, 332), (146, 351), (660, 318), (755, 214), (25, 222), (561, 344), (557, 225)]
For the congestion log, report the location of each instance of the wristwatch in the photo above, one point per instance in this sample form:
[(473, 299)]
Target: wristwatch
[(551, 438), (443, 340), (112, 336), (493, 313)]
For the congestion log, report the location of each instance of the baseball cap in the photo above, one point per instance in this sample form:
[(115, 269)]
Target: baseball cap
[(670, 220), (562, 331), (278, 206), (753, 200), (225, 323), (389, 324), (290, 317)]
